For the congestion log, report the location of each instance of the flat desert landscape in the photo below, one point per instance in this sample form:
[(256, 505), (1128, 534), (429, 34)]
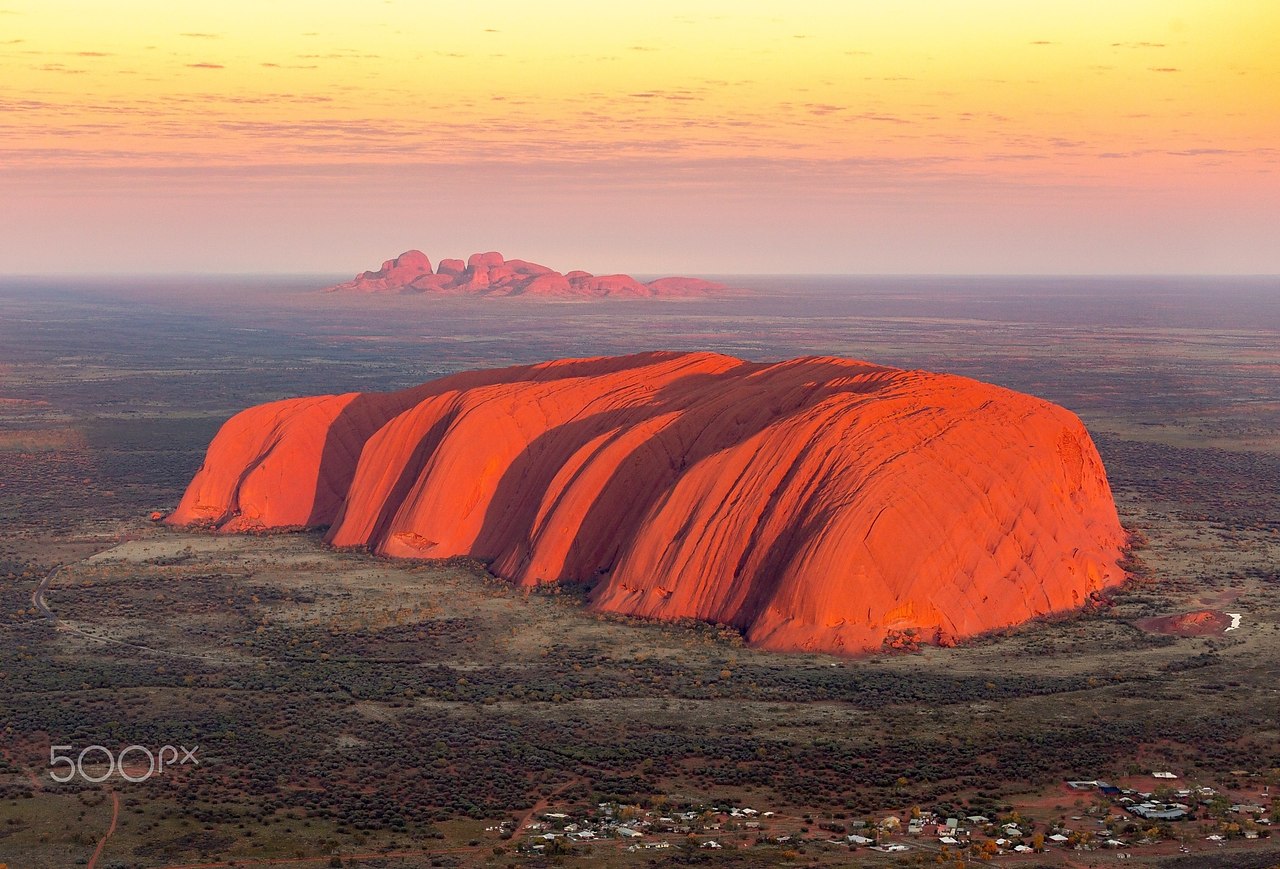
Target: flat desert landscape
[(353, 710), (760, 435)]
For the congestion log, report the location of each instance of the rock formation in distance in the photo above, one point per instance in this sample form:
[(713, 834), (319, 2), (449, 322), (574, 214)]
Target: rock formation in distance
[(820, 503), (489, 274)]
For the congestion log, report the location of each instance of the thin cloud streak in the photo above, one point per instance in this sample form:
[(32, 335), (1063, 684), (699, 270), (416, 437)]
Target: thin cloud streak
[(968, 112)]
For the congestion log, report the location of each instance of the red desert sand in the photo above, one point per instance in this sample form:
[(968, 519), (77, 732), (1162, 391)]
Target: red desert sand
[(821, 504), (488, 274), (1197, 624)]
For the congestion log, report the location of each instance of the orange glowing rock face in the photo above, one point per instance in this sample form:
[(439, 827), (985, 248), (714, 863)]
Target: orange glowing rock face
[(489, 274), (820, 504)]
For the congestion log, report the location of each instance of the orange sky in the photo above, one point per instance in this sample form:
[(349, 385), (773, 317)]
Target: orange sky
[(916, 136)]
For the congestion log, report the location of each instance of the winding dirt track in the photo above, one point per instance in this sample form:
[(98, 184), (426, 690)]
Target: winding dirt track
[(38, 601), (102, 843), (37, 596)]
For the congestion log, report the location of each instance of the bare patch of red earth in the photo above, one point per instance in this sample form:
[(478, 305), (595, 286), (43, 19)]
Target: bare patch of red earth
[(1197, 624)]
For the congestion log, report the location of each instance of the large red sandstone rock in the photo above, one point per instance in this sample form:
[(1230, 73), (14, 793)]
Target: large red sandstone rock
[(610, 285), (554, 284), (683, 287), (488, 274), (819, 503), (395, 274)]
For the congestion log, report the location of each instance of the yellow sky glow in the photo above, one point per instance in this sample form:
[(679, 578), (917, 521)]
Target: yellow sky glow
[(1169, 97)]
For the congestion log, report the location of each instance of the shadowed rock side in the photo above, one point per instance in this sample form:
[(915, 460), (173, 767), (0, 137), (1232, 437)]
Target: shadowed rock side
[(489, 274), (820, 503)]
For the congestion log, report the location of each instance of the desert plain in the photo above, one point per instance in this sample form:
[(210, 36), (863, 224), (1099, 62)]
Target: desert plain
[(379, 712)]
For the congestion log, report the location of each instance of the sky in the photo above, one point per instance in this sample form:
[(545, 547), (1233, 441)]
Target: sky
[(691, 136)]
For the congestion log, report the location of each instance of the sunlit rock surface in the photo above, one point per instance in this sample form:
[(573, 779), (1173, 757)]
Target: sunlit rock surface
[(819, 503), (489, 274)]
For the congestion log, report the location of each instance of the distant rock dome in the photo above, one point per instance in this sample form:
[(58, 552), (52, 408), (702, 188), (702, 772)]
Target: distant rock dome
[(489, 274)]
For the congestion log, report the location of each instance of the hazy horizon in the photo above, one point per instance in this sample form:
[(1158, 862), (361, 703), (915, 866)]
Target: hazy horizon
[(330, 274), (919, 138), (936, 487)]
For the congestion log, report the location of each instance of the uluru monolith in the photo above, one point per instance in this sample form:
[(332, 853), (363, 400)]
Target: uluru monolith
[(819, 503), (490, 274)]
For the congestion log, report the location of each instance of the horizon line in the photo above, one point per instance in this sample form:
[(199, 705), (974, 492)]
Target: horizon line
[(643, 273)]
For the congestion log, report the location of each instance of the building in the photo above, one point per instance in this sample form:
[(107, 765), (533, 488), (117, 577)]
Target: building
[(1158, 812)]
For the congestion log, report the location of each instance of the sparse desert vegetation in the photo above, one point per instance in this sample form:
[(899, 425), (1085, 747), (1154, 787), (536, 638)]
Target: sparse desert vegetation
[(347, 705)]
